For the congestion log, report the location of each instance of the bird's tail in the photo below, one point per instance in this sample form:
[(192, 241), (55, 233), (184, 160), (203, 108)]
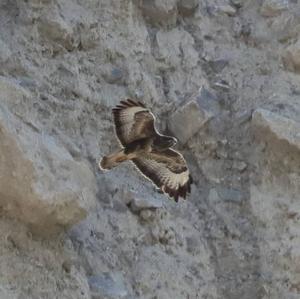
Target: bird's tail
[(113, 160)]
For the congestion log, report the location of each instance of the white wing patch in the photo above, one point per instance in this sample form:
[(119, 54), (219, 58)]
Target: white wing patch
[(130, 123), (167, 169), (170, 182), (126, 116)]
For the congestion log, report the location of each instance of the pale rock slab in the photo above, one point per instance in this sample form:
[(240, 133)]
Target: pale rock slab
[(107, 285), (291, 57), (282, 127), (286, 26), (5, 52), (208, 100), (226, 9), (40, 182), (272, 8), (141, 203), (187, 7), (138, 202), (160, 11), (176, 48), (187, 121), (57, 30)]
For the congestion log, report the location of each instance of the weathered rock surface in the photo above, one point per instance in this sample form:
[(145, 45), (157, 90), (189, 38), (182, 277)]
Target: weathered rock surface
[(284, 129), (291, 57), (40, 182), (187, 7), (139, 203), (57, 31), (108, 286), (272, 8), (157, 12), (187, 121)]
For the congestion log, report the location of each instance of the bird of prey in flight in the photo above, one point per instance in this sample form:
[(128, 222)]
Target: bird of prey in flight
[(148, 150)]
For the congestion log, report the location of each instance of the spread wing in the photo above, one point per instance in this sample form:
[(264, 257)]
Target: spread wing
[(133, 121), (167, 170)]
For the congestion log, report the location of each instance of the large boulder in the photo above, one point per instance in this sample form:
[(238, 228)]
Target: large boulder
[(40, 182)]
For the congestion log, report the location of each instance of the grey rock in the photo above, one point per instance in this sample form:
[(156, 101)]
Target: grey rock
[(291, 57), (41, 184), (272, 8), (221, 8), (237, 3), (222, 85), (218, 65), (109, 285), (192, 244), (89, 37), (27, 82), (58, 31), (146, 215), (5, 52), (208, 100), (176, 48), (213, 196), (231, 195), (188, 120), (139, 203), (224, 194), (159, 11), (39, 2), (114, 75), (226, 9), (281, 127), (187, 7), (239, 165), (286, 27)]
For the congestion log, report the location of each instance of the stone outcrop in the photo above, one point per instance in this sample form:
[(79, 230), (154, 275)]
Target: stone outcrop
[(40, 182), (272, 8), (284, 129), (187, 121)]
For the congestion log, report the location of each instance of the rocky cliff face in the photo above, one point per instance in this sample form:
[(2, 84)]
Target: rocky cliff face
[(222, 76)]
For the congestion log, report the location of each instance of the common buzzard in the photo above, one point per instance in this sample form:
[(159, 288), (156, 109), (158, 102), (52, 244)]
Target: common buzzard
[(149, 150)]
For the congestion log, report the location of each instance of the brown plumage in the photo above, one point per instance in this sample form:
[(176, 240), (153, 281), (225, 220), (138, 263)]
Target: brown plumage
[(150, 151)]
